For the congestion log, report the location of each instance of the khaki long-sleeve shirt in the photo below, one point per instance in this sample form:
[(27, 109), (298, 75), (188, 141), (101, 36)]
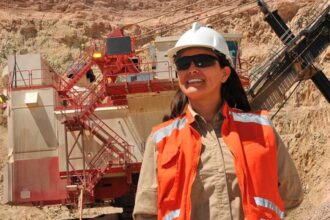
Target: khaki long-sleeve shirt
[(215, 191)]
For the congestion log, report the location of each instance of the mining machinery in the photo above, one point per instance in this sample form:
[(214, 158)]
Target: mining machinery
[(293, 63)]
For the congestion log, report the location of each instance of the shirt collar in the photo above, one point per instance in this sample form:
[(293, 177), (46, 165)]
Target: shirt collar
[(192, 114)]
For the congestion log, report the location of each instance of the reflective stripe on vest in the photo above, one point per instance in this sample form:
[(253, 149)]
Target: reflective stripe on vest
[(171, 215), (248, 117), (166, 131), (270, 205)]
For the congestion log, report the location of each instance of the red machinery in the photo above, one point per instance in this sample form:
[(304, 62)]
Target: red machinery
[(120, 72)]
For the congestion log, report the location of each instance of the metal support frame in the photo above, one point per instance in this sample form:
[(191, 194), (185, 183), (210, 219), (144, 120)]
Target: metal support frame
[(70, 150), (294, 62), (116, 154)]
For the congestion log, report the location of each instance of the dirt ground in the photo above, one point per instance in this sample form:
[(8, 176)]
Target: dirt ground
[(61, 29)]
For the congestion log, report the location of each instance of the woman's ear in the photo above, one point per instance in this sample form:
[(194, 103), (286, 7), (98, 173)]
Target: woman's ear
[(226, 74)]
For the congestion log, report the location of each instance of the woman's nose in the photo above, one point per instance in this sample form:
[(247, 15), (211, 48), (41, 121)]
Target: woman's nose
[(192, 68)]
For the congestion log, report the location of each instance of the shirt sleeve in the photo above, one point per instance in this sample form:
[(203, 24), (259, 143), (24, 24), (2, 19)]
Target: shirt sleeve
[(288, 179), (146, 196)]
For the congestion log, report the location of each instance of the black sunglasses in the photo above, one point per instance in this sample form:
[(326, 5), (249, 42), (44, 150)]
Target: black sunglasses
[(200, 60)]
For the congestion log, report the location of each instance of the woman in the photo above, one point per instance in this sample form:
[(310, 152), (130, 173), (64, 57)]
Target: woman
[(214, 159)]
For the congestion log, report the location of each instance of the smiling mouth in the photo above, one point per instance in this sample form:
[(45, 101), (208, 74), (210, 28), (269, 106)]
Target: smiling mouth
[(191, 81)]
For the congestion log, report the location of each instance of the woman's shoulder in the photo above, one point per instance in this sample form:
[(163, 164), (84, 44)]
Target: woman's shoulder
[(255, 112), (171, 123)]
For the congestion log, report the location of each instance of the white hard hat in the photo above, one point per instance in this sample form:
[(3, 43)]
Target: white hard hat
[(200, 36)]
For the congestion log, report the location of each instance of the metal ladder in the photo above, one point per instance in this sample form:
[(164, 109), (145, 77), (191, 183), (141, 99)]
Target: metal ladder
[(114, 151), (75, 72)]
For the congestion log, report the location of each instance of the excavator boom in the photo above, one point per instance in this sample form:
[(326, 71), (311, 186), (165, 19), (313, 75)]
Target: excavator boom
[(293, 63)]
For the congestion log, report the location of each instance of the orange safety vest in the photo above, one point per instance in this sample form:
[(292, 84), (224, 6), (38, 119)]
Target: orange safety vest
[(251, 139)]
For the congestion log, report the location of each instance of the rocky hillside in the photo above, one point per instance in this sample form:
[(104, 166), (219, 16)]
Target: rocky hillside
[(61, 30)]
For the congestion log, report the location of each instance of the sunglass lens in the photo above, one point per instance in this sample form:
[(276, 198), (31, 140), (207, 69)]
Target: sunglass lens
[(183, 63), (204, 60), (200, 60)]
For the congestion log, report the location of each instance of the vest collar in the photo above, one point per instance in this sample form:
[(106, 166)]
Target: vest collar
[(191, 114)]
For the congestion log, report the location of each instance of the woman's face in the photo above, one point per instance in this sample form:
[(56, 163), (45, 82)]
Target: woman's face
[(201, 81)]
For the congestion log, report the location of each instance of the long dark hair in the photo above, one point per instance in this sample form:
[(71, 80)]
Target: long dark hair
[(232, 92)]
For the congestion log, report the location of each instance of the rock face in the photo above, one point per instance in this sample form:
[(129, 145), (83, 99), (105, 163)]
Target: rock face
[(287, 10), (61, 29), (29, 32), (97, 29)]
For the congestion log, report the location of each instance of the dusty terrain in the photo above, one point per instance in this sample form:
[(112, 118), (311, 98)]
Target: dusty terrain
[(60, 30)]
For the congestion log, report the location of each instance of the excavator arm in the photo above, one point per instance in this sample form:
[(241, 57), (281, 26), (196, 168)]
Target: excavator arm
[(293, 63)]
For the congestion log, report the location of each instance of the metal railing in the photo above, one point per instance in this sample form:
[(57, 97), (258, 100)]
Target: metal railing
[(33, 78)]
